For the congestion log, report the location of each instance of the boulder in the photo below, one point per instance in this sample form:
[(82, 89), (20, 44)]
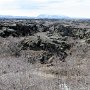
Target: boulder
[(5, 32)]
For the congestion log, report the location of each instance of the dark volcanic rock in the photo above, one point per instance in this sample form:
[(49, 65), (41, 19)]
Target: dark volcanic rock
[(5, 32), (53, 47)]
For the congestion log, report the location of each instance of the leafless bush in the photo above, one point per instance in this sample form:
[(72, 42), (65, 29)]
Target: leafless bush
[(10, 47), (14, 49)]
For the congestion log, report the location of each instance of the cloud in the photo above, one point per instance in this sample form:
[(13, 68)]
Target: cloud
[(4, 1), (72, 8)]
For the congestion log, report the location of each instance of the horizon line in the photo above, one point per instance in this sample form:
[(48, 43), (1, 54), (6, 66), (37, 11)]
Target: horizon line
[(37, 16)]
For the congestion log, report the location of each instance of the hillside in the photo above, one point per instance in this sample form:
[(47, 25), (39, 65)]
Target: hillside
[(44, 54)]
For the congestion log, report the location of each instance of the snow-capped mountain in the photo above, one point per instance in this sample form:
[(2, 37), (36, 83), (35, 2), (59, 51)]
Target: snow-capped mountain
[(52, 16), (42, 16)]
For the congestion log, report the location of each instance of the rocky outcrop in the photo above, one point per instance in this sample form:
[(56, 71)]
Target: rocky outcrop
[(5, 32), (18, 30), (38, 43), (41, 35)]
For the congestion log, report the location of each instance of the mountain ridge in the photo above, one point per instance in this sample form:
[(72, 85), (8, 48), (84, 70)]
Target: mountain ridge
[(52, 16), (41, 16)]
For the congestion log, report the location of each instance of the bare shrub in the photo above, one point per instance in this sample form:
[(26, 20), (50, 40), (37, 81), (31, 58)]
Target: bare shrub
[(10, 46), (14, 49)]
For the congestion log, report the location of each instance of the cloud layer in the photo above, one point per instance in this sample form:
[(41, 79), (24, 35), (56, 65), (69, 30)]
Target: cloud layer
[(72, 8)]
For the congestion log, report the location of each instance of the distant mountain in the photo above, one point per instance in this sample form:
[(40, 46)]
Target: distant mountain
[(42, 16), (10, 17), (52, 16)]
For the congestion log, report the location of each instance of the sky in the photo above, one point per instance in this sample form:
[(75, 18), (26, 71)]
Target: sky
[(71, 8)]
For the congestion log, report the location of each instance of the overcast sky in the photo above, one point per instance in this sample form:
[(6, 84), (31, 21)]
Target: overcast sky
[(72, 8)]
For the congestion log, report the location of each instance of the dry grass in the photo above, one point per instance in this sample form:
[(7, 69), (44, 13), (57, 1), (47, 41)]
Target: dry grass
[(22, 70)]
